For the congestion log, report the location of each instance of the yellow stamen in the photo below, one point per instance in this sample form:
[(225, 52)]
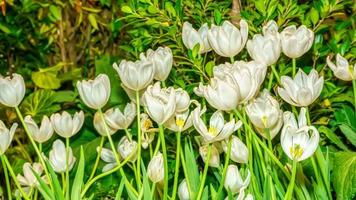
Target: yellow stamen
[(212, 131), (264, 120), (180, 122), (296, 151)]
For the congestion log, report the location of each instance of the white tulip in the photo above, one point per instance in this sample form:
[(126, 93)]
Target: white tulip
[(239, 151), (147, 130), (266, 48), (162, 59), (183, 191), (65, 125), (127, 148), (155, 169), (182, 100), (299, 141), (233, 181), (6, 136), (265, 113), (58, 157), (118, 120), (246, 77), (99, 124), (29, 179), (342, 69), (108, 157), (12, 90), (40, 134), (218, 130), (214, 160), (220, 94), (160, 102), (296, 42), (227, 40), (303, 90), (95, 93), (135, 75), (191, 37), (271, 28)]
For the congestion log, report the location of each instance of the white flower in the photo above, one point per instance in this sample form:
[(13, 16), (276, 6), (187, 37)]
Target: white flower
[(6, 136), (266, 48), (135, 75), (160, 102), (299, 141), (29, 179), (296, 42), (342, 69), (183, 192), (118, 120), (227, 40), (246, 77), (233, 181), (40, 134), (191, 37), (264, 113), (95, 93), (12, 90), (107, 156), (239, 151), (132, 94), (303, 90), (127, 148), (181, 121), (58, 155), (99, 124), (214, 160), (220, 94), (162, 59), (65, 125), (147, 130), (155, 169), (218, 130), (182, 100)]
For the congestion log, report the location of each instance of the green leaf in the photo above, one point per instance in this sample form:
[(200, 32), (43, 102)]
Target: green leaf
[(217, 16), (209, 67), (56, 12), (4, 28), (58, 193), (92, 21), (46, 80), (152, 9), (333, 137), (126, 9), (192, 176), (344, 176), (78, 180), (349, 133), (314, 16)]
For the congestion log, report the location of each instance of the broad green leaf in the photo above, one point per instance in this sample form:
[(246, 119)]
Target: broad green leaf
[(333, 137), (192, 175), (349, 133), (46, 80), (209, 67), (43, 188), (126, 9), (56, 12), (78, 180), (344, 176), (57, 190)]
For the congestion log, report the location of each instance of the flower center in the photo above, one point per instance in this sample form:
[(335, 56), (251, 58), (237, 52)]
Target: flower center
[(296, 151), (264, 120), (180, 122), (212, 131), (147, 124)]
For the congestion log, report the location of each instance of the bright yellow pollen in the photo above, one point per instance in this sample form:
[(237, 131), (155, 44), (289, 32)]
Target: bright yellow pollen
[(296, 151), (147, 124), (212, 131), (180, 122)]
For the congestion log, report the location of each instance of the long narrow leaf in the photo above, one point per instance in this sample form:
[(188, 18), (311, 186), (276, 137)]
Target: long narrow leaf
[(78, 180)]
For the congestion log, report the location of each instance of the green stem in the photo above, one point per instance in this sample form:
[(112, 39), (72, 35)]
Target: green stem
[(354, 88), (205, 172), (97, 160), (164, 150), (176, 173), (8, 186), (67, 169), (138, 178), (226, 164), (33, 143), (270, 81), (294, 65), (9, 168), (128, 134), (122, 173), (275, 73), (232, 59), (289, 193)]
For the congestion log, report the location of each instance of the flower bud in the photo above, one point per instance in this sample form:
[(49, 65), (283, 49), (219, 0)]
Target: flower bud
[(58, 157), (127, 148), (155, 169), (239, 151), (183, 192), (214, 160), (233, 181), (6, 136), (12, 90)]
